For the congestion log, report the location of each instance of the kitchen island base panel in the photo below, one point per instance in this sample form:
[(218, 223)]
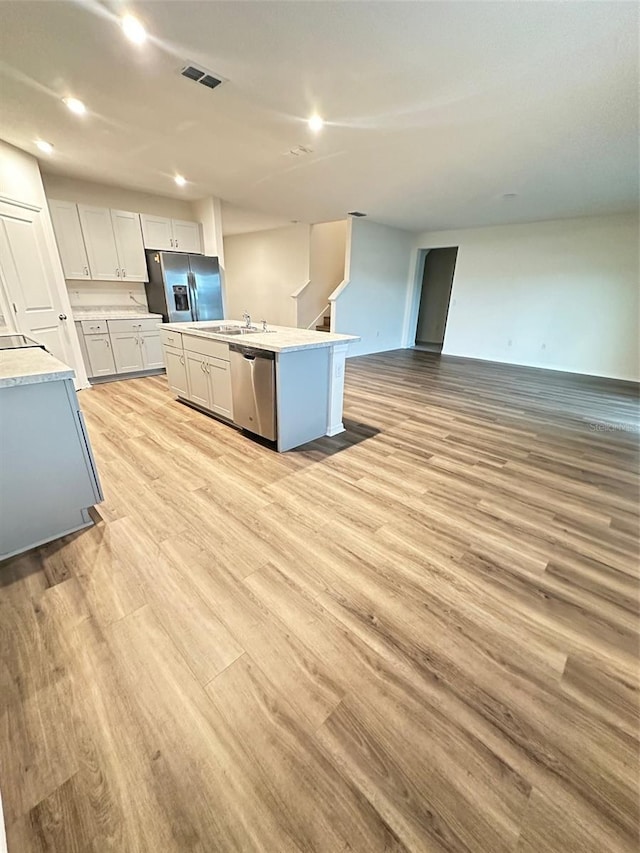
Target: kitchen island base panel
[(302, 391), (49, 478)]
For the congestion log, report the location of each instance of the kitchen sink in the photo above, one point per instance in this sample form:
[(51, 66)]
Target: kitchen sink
[(221, 329)]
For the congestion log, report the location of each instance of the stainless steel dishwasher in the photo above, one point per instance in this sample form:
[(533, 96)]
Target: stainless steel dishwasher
[(253, 387)]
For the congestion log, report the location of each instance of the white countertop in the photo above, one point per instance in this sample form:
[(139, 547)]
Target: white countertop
[(114, 314), (280, 339), (30, 365)]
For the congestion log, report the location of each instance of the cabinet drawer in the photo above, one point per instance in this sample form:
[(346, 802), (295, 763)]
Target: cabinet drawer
[(206, 346), (94, 327), (148, 325), (171, 339)]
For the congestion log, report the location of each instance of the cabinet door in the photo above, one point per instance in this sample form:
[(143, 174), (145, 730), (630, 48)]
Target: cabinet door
[(174, 361), (128, 236), (156, 232), (186, 236), (101, 361), (198, 379), (151, 349), (66, 225), (127, 351), (220, 380), (100, 242)]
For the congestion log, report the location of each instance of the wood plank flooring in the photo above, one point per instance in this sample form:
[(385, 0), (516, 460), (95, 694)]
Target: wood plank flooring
[(421, 635)]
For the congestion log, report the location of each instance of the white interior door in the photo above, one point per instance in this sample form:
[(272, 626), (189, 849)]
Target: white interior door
[(128, 234), (27, 273), (186, 236), (100, 242)]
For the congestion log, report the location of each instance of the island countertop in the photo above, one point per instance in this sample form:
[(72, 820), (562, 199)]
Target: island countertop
[(30, 365), (277, 339)]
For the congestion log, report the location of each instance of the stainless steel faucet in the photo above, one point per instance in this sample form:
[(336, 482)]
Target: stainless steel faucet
[(264, 325), (247, 319)]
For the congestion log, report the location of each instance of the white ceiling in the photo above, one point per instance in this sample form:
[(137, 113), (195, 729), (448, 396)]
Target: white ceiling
[(434, 110)]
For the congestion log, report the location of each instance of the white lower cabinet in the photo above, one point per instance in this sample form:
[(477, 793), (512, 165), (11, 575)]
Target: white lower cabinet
[(198, 379), (174, 361), (100, 355), (220, 381), (207, 377), (151, 350), (127, 351)]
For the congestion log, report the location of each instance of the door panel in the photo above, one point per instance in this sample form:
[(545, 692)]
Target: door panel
[(66, 225), (186, 236), (100, 242), (198, 380), (127, 351), (151, 350), (27, 273), (101, 362), (156, 232), (220, 376), (208, 294), (174, 361), (175, 268), (128, 237)]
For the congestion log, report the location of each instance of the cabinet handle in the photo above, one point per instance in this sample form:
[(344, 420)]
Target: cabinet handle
[(86, 270), (108, 344), (181, 359), (176, 244), (118, 273), (124, 275), (62, 316), (171, 240), (202, 366)]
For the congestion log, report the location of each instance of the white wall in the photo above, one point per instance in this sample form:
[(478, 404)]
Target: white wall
[(263, 269), (327, 255), (119, 198), (21, 181), (559, 294), (372, 303)]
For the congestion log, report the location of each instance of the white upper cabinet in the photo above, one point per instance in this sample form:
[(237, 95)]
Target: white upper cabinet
[(66, 224), (157, 232), (186, 236), (171, 235), (129, 245), (113, 239), (100, 242)]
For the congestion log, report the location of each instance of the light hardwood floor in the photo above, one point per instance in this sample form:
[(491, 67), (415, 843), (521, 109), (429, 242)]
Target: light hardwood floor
[(420, 635)]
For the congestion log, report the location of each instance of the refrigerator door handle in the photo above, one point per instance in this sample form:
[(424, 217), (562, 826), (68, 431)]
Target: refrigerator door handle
[(193, 290)]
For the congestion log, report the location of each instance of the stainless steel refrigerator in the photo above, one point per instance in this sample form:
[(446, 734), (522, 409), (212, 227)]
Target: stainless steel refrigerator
[(183, 287)]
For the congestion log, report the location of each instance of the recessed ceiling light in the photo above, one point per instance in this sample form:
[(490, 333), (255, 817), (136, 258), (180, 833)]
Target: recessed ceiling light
[(180, 181), (133, 29), (316, 123), (75, 106), (46, 147)]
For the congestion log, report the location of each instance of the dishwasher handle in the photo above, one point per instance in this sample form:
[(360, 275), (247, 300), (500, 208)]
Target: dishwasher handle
[(251, 353)]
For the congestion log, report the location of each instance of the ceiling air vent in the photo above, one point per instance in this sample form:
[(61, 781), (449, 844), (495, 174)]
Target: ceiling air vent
[(199, 75), (356, 213)]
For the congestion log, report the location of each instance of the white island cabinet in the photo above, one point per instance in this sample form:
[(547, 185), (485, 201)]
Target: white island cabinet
[(48, 476), (309, 375)]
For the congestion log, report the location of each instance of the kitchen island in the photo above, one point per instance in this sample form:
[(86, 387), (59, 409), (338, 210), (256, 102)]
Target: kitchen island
[(48, 477), (290, 392)]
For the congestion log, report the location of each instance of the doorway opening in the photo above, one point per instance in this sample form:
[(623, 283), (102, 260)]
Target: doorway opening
[(437, 281)]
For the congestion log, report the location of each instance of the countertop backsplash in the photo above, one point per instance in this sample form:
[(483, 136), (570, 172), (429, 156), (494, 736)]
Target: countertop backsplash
[(92, 295)]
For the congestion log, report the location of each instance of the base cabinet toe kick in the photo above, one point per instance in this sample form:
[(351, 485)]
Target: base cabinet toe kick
[(288, 397)]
